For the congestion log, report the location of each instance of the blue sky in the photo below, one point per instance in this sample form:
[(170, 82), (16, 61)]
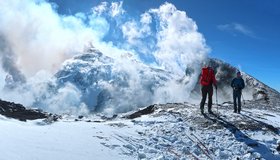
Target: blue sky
[(244, 33)]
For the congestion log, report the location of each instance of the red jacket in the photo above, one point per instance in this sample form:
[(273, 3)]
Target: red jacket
[(207, 77)]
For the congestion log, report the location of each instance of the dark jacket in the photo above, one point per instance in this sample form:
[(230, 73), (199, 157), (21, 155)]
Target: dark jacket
[(237, 84)]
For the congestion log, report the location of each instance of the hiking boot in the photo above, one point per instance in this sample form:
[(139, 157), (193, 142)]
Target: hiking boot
[(234, 111)]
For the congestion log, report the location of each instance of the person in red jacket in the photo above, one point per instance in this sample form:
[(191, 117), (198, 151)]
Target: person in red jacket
[(207, 80)]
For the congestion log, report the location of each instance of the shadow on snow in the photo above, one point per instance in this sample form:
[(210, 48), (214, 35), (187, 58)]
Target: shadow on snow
[(260, 148)]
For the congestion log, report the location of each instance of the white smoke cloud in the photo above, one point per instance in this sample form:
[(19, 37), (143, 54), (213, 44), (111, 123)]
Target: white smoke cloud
[(40, 40), (133, 32), (178, 40), (38, 36), (146, 18), (116, 9), (100, 9), (180, 45)]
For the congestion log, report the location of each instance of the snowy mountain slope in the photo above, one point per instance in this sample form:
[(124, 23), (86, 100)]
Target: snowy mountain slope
[(172, 131), (103, 82)]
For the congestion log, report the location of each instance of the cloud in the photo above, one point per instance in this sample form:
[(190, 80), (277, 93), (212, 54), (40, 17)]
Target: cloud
[(138, 34), (178, 41), (116, 8), (101, 8), (133, 31), (8, 63), (237, 28), (38, 39), (146, 18)]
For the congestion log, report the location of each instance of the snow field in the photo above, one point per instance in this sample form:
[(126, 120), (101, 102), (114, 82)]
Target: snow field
[(173, 131)]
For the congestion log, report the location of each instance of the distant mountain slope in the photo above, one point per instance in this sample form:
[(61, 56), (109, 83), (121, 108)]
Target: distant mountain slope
[(254, 90)]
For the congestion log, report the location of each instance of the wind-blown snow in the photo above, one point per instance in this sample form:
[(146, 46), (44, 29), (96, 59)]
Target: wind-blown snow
[(36, 40)]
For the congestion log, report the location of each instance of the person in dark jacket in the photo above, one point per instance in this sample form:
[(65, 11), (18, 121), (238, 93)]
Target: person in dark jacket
[(207, 80), (237, 85)]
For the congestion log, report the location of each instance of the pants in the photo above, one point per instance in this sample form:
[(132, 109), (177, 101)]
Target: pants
[(206, 90), (237, 95)]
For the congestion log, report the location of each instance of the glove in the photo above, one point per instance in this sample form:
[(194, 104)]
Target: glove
[(216, 87)]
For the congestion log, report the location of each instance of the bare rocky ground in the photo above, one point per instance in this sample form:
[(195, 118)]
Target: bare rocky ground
[(19, 112)]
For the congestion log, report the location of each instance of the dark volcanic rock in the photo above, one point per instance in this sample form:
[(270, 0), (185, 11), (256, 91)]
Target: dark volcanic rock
[(148, 110), (278, 148), (18, 111)]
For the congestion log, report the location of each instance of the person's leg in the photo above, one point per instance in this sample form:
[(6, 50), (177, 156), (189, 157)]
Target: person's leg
[(234, 102), (210, 95), (204, 95), (239, 102)]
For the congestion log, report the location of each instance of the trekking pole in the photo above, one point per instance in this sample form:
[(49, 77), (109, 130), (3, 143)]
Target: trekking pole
[(217, 100), (243, 98)]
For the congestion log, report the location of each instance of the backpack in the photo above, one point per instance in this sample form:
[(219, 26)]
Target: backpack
[(207, 76), (204, 79)]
